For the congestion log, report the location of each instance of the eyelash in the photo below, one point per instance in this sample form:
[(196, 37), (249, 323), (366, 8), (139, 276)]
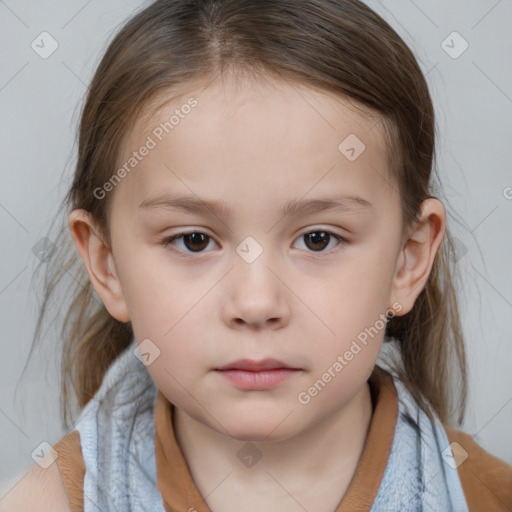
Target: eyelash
[(166, 242)]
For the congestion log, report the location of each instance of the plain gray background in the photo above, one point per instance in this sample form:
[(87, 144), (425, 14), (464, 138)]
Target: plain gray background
[(40, 99)]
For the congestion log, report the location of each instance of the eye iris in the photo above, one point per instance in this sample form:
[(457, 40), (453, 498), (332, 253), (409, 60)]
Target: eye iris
[(195, 238), (317, 238)]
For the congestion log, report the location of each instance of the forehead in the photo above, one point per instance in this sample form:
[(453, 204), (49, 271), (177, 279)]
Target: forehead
[(233, 138), (278, 101)]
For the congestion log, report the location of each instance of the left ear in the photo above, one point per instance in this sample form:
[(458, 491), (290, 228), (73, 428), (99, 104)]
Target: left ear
[(418, 253)]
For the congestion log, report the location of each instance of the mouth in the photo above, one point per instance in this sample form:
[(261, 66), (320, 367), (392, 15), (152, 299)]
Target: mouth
[(253, 375), (255, 366)]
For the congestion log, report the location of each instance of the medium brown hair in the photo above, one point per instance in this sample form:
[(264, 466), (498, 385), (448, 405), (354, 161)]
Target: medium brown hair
[(337, 46)]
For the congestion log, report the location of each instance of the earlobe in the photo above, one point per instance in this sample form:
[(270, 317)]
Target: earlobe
[(99, 262), (417, 256)]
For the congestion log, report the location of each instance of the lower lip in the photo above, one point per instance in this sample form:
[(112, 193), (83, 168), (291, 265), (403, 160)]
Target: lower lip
[(261, 380)]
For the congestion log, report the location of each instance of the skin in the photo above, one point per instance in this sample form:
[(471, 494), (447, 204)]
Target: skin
[(257, 147)]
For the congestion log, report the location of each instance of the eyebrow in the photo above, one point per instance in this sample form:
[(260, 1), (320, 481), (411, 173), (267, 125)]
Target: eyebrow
[(191, 204)]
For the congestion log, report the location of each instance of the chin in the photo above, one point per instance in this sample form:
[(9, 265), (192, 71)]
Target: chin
[(255, 436), (258, 430)]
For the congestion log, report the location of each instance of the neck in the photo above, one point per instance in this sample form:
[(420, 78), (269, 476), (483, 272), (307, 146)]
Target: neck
[(327, 453)]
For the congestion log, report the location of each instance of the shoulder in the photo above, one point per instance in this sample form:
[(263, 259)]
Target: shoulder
[(58, 488), (486, 480), (38, 490)]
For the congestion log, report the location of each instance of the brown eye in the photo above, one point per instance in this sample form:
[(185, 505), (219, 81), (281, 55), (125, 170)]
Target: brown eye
[(319, 240), (194, 241)]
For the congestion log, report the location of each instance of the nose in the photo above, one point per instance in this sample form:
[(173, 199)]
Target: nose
[(256, 297)]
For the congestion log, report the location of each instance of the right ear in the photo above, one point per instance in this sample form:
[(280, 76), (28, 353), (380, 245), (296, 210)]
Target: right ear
[(99, 263)]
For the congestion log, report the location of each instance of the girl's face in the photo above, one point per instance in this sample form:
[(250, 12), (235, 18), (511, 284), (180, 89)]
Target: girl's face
[(293, 260)]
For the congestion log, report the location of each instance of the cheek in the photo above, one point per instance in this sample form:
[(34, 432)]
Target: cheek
[(350, 315), (157, 293), (182, 359), (352, 295)]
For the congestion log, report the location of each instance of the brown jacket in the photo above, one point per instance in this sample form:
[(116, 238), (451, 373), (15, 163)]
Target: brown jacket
[(486, 480)]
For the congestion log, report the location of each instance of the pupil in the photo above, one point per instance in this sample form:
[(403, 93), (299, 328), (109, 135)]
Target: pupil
[(195, 238), (318, 237)]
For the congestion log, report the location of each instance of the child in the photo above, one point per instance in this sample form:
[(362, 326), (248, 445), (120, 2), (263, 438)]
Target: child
[(293, 140)]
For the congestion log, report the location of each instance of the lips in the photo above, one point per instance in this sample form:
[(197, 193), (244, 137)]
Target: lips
[(252, 375), (255, 366)]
